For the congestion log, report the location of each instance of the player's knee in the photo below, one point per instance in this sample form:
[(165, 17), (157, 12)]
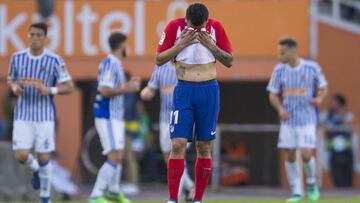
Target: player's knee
[(21, 157), (43, 158), (178, 147), (291, 156), (306, 156), (203, 149), (115, 157)]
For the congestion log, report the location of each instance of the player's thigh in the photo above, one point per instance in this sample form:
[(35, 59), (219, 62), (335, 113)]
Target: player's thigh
[(307, 137), (111, 134), (182, 118), (206, 113), (23, 135), (45, 137), (287, 137), (165, 141)]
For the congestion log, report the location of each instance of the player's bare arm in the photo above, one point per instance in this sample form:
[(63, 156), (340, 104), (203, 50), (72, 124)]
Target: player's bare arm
[(276, 102), (188, 37), (132, 86), (320, 95), (224, 57), (147, 93)]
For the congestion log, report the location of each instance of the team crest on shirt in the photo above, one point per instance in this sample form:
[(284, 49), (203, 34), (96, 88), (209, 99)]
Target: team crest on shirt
[(162, 39)]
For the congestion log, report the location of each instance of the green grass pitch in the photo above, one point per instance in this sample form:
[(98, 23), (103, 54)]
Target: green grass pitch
[(353, 200)]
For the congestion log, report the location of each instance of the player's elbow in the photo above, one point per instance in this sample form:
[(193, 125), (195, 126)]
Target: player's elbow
[(160, 60)]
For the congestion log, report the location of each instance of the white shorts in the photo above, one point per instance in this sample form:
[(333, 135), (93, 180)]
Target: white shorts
[(111, 133), (165, 141), (297, 137), (29, 134)]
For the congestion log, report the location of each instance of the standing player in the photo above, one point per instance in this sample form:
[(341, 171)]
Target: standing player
[(35, 76), (109, 120), (194, 43), (164, 78), (297, 87)]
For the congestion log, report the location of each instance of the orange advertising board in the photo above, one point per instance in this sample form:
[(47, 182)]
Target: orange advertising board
[(80, 28)]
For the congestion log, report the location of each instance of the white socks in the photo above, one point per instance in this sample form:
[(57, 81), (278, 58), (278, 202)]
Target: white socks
[(185, 182), (32, 163), (310, 169), (293, 177), (115, 182), (45, 178), (104, 178)]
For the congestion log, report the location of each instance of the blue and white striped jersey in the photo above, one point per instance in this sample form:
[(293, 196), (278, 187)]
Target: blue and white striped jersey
[(110, 74), (298, 86), (26, 69), (164, 78)]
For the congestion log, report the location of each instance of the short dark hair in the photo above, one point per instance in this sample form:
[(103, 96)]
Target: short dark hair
[(116, 39), (340, 99), (289, 42), (40, 25), (197, 14)]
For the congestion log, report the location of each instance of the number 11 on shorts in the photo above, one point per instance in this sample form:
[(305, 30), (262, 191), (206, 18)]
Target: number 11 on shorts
[(174, 115)]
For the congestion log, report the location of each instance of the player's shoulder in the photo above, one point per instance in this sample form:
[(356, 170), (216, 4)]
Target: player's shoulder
[(18, 53), (54, 56), (177, 22), (214, 23), (311, 64), (279, 67)]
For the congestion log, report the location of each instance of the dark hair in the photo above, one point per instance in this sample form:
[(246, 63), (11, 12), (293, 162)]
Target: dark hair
[(42, 26), (197, 14), (289, 42), (340, 99), (116, 39)]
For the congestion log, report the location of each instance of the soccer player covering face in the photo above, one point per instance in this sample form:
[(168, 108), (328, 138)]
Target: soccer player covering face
[(194, 43), (164, 79), (109, 120), (297, 87), (35, 76)]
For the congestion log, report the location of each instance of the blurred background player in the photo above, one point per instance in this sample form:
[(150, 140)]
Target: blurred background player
[(338, 121), (109, 120), (297, 87), (195, 49), (164, 78), (35, 76)]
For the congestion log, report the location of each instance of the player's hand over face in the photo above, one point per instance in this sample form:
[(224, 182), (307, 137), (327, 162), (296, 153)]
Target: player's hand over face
[(17, 89), (206, 40), (188, 37), (43, 90), (283, 115)]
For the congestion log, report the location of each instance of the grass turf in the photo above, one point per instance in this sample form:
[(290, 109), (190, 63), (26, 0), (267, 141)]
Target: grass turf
[(325, 200)]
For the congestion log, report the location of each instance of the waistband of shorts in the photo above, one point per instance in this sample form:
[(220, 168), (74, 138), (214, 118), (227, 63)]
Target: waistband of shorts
[(203, 83)]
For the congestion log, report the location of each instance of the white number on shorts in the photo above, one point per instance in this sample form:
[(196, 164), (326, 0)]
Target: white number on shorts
[(176, 117)]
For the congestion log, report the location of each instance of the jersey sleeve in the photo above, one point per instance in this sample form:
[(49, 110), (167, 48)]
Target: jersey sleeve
[(107, 75), (320, 80), (12, 73), (274, 85), (168, 37), (222, 40), (154, 81), (61, 72)]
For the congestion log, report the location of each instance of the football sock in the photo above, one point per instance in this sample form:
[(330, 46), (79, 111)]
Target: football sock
[(115, 182), (293, 177), (45, 179), (103, 180), (202, 174), (175, 171), (32, 163), (185, 182), (310, 169)]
